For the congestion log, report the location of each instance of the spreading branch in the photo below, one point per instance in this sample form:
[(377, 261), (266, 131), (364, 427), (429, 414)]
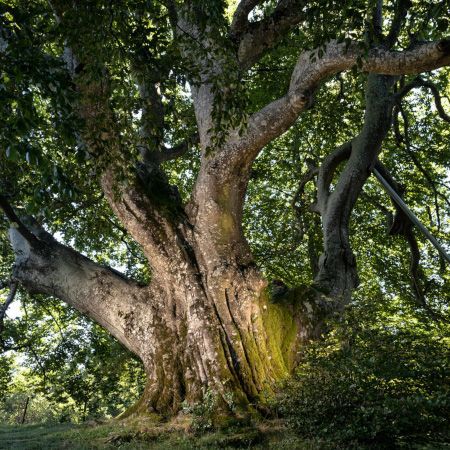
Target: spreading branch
[(256, 38), (311, 70), (98, 291)]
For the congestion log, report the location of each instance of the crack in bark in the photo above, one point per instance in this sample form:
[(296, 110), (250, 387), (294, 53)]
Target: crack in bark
[(242, 342)]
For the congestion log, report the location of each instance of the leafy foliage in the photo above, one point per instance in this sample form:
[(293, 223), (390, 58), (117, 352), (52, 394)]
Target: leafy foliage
[(383, 384), (46, 171), (71, 369)]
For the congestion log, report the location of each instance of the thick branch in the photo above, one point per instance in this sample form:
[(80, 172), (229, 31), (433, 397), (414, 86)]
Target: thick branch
[(240, 17), (327, 170), (338, 274), (15, 221), (97, 291), (310, 70), (259, 37)]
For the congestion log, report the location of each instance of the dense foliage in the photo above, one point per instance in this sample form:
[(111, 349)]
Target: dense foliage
[(382, 375), (374, 382), (69, 368)]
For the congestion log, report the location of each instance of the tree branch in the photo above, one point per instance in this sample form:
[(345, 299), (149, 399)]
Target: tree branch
[(169, 154), (401, 10), (378, 20), (15, 221), (311, 70), (420, 82), (259, 37), (401, 225), (405, 142), (327, 169), (240, 16), (100, 292), (5, 305)]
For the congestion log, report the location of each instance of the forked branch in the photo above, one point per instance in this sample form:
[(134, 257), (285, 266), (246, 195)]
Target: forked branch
[(256, 38), (311, 70), (240, 17)]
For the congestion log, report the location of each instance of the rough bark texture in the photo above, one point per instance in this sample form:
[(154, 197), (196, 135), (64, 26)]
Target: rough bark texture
[(206, 321)]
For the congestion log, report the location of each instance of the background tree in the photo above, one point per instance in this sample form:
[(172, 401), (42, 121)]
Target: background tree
[(104, 102)]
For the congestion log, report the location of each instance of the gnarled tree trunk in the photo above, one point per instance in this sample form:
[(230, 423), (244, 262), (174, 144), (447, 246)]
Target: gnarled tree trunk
[(206, 320)]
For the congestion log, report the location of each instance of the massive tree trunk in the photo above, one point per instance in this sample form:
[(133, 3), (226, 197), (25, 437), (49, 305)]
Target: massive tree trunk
[(206, 320)]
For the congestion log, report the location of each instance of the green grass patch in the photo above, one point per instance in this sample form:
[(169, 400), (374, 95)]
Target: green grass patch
[(145, 434)]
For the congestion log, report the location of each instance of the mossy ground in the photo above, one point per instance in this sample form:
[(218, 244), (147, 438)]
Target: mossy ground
[(148, 434)]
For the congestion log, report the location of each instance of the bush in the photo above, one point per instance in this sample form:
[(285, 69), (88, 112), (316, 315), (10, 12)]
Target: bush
[(39, 409), (378, 386), (202, 413)]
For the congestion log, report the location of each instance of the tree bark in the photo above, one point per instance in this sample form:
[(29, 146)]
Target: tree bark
[(337, 276), (206, 320)]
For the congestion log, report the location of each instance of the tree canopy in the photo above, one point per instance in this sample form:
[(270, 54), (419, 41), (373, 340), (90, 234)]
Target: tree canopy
[(131, 131)]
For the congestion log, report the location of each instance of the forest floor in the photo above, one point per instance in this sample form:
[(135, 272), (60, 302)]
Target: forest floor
[(148, 434), (138, 434)]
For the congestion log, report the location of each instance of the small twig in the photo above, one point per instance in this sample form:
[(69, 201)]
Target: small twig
[(5, 306)]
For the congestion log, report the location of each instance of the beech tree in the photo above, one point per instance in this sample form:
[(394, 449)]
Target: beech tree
[(104, 98)]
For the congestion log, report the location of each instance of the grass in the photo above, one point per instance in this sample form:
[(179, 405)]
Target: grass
[(147, 434), (150, 433)]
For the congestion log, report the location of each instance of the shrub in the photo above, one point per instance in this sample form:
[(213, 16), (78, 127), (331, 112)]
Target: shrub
[(377, 386)]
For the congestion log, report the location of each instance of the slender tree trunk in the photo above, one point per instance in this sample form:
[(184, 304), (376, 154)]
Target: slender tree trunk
[(337, 275), (25, 408)]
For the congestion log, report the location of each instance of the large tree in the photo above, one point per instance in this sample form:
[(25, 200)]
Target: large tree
[(107, 89)]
